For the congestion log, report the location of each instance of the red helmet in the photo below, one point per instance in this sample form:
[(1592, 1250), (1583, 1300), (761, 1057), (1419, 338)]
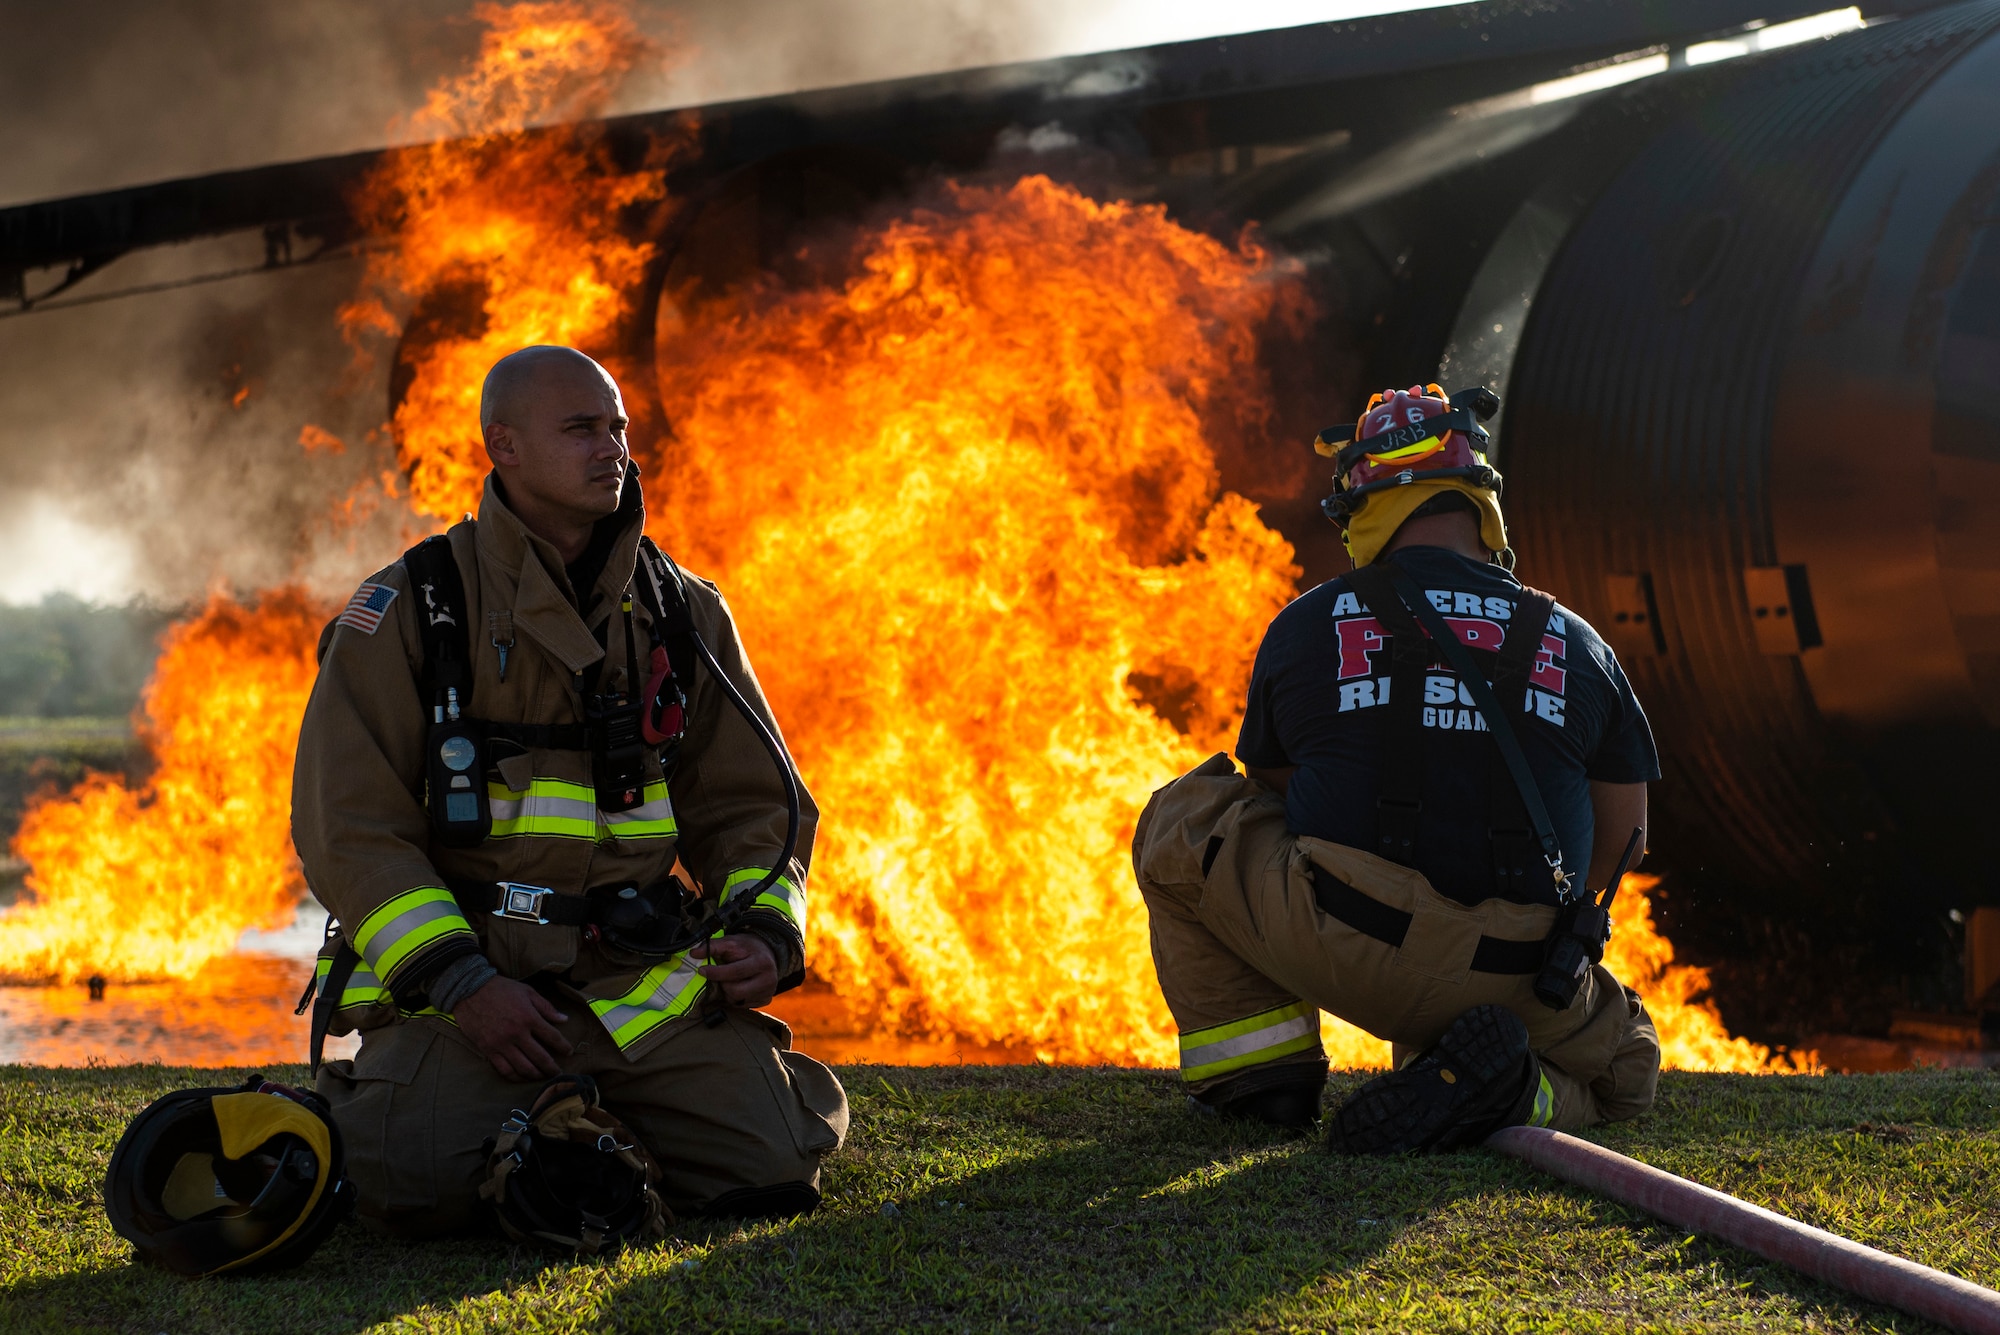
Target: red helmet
[(1406, 436)]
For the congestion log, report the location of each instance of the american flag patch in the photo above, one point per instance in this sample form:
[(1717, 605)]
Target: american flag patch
[(365, 608)]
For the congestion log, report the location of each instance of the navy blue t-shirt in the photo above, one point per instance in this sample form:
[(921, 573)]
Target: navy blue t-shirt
[(1317, 697)]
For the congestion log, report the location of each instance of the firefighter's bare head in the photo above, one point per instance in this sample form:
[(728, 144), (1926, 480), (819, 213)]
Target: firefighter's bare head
[(554, 424)]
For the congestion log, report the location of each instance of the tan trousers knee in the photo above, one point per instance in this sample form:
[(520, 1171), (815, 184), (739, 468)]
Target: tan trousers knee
[(722, 1109), (1247, 959)]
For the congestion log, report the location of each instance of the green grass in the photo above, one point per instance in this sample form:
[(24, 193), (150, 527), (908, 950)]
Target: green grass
[(1054, 1199)]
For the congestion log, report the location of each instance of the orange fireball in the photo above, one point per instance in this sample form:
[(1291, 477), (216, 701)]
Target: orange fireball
[(965, 508), (156, 881), (1692, 1036), (512, 236)]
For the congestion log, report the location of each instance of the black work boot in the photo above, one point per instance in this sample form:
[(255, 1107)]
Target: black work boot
[(1478, 1077), (1284, 1097), (1286, 1109)]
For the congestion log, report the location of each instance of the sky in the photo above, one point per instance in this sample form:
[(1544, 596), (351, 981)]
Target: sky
[(129, 464)]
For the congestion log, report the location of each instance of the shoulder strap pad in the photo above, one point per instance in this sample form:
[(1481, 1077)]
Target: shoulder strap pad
[(1399, 798), (1516, 663), (439, 591), (666, 602)]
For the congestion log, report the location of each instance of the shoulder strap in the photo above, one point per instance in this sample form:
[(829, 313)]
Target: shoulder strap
[(331, 990), (1498, 721), (673, 620), (439, 590), (1399, 799), (1515, 856), (1517, 653)]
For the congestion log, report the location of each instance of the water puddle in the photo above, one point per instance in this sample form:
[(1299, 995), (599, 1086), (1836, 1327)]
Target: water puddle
[(239, 1013)]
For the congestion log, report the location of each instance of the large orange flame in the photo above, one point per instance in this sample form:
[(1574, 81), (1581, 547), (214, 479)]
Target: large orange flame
[(518, 237), (965, 501), (156, 881), (965, 508), (525, 228)]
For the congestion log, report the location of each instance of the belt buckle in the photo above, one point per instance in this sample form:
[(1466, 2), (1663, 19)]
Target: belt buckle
[(522, 903)]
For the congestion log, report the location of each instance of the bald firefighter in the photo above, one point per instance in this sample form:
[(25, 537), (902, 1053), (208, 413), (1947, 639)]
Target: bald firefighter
[(1444, 768), (520, 732)]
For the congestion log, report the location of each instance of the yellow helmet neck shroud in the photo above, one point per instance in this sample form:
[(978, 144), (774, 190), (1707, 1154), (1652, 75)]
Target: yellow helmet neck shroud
[(1371, 527)]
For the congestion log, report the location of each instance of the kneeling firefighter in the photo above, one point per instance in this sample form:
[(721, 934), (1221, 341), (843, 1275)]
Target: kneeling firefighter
[(517, 732), (1440, 762)]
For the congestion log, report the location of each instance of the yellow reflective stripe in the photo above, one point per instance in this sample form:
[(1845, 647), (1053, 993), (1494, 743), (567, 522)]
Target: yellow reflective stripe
[(1428, 445), (560, 809), (363, 987), (784, 896), (664, 992), (1262, 1037), (651, 819), (364, 990), (550, 807), (406, 924), (1545, 1102)]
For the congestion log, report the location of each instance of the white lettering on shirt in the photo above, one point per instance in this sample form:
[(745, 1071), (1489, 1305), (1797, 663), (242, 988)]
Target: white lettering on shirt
[(1364, 694)]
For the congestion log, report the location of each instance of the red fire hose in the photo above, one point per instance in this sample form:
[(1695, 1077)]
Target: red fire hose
[(1878, 1276)]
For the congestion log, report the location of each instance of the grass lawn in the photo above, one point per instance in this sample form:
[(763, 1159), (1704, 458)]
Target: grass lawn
[(980, 1198)]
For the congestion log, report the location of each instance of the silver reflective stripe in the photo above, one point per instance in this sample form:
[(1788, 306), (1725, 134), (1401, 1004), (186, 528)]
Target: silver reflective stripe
[(385, 944), (544, 806), (1254, 1041), (659, 999), (658, 809), (782, 888), (363, 989)]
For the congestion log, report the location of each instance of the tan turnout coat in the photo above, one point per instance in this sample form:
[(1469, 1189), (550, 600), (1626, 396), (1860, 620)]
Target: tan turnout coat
[(364, 837)]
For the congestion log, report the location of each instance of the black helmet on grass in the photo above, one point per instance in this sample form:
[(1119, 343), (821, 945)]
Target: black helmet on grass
[(244, 1180)]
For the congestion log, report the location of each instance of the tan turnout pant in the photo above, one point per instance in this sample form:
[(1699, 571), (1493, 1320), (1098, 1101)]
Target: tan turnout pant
[(1248, 960), (722, 1109)]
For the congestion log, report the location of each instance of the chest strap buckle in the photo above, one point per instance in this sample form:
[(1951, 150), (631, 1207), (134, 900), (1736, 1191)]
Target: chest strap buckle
[(523, 903)]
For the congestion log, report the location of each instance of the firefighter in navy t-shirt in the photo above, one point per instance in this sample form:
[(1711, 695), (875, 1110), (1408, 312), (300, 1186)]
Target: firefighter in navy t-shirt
[(1379, 860)]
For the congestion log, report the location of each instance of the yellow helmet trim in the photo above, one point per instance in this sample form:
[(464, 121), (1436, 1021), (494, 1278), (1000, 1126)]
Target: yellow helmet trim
[(248, 1120), (1428, 445)]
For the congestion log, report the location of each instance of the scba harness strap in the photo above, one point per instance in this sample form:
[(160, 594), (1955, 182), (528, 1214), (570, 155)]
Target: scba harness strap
[(1583, 922), (1400, 606), (458, 745), (442, 625)]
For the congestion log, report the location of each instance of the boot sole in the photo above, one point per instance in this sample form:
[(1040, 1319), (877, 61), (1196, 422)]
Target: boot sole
[(1413, 1109)]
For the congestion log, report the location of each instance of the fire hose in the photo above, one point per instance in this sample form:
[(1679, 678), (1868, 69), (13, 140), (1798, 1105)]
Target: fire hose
[(1827, 1257)]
